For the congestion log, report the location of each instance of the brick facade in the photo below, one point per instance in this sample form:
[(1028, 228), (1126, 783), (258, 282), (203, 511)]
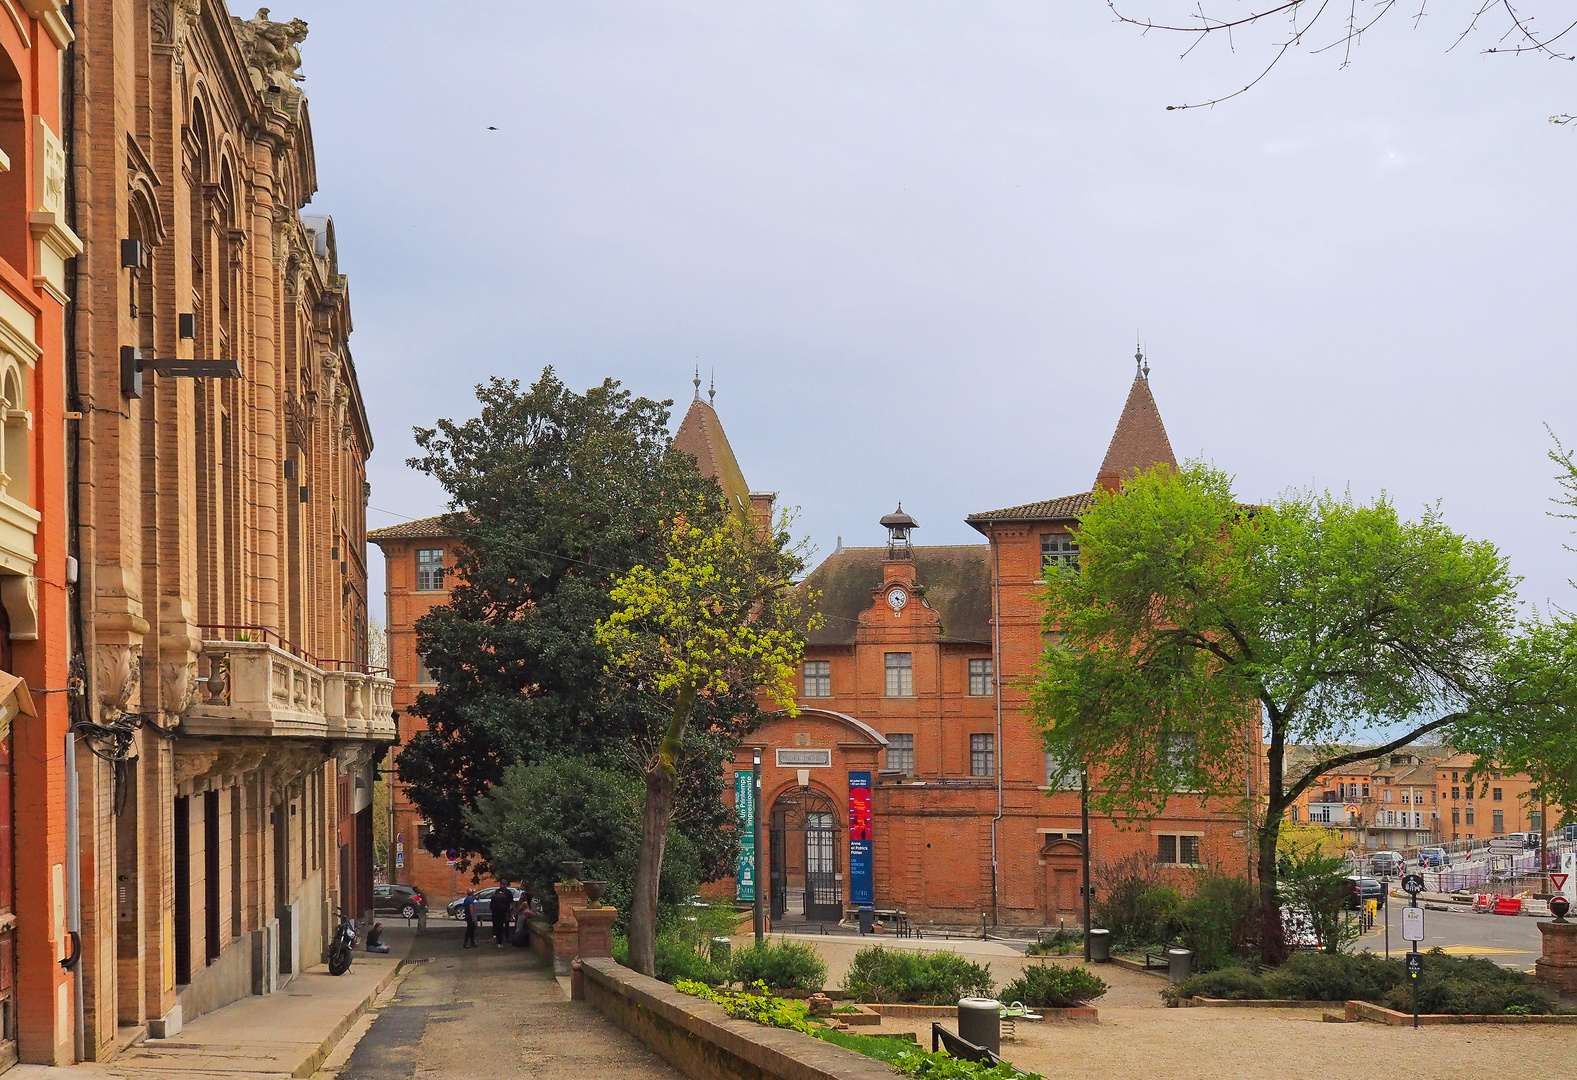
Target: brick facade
[(36, 244), (221, 504), (407, 600), (959, 836)]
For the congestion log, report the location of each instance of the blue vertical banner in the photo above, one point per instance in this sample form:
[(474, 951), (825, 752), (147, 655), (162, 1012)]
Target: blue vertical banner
[(745, 814), (861, 889)]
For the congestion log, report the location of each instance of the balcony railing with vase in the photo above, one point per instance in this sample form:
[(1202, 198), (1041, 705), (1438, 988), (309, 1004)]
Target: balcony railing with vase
[(258, 684)]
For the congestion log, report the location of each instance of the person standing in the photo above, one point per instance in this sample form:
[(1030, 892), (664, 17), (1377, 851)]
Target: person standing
[(469, 907), (499, 905)]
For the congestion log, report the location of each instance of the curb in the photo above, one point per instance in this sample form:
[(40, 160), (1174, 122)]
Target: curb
[(326, 1047)]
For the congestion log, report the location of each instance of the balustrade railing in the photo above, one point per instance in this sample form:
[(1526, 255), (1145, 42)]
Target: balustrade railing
[(249, 687)]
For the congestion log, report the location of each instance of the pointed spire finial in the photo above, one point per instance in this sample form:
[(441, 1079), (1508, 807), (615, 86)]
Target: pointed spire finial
[(711, 390), (697, 383), (1138, 359)]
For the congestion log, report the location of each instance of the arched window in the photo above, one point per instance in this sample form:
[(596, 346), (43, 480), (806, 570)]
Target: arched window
[(17, 423)]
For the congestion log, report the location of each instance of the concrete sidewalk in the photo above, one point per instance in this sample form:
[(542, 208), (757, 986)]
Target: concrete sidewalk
[(285, 1034)]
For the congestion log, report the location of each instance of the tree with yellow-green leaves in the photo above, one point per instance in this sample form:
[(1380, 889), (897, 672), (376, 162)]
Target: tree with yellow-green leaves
[(718, 613)]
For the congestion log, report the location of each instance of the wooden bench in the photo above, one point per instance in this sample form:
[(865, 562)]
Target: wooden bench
[(942, 1039)]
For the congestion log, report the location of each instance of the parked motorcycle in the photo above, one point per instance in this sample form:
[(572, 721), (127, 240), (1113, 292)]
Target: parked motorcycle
[(343, 946)]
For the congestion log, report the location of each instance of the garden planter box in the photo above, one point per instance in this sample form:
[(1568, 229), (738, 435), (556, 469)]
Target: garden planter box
[(1362, 1010), (1087, 1014), (864, 1018)]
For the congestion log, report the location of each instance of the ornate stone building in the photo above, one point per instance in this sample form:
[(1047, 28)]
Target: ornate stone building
[(225, 806)]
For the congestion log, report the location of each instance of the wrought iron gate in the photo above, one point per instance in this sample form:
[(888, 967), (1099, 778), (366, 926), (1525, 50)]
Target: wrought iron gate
[(823, 887)]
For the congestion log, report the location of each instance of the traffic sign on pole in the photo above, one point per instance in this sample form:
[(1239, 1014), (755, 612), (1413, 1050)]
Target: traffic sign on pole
[(1413, 884), (1558, 881)]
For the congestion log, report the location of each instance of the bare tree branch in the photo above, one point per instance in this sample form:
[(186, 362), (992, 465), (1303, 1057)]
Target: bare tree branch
[(1519, 31)]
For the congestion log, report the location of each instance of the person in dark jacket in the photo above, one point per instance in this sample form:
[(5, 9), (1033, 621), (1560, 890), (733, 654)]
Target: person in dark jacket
[(469, 906), (499, 905)]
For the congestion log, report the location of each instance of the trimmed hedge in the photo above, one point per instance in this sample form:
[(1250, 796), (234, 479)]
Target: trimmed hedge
[(784, 966), (898, 976), (1456, 985), (1052, 986)]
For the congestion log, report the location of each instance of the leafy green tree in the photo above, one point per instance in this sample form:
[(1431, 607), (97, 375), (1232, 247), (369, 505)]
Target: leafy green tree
[(553, 496), (560, 808), (1196, 627), (715, 614), (1316, 888)]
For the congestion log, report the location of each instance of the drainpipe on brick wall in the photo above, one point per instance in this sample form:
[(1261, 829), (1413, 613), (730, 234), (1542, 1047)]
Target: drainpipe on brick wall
[(74, 892), (996, 685)]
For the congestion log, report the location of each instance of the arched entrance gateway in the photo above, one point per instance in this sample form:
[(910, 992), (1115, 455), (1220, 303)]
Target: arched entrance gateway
[(819, 858), (806, 879)]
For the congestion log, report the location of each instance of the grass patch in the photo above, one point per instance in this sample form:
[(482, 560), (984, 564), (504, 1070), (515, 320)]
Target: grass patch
[(874, 1046)]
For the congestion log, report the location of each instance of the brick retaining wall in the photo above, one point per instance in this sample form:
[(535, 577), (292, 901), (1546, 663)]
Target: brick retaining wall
[(700, 1040)]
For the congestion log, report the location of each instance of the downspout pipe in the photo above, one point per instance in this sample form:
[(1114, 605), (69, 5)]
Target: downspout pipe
[(74, 893), (996, 685)]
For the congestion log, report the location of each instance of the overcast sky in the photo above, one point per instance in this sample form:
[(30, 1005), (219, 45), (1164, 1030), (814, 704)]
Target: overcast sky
[(916, 240)]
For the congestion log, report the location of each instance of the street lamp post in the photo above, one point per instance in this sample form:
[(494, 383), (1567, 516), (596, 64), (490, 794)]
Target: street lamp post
[(755, 843), (1084, 814)]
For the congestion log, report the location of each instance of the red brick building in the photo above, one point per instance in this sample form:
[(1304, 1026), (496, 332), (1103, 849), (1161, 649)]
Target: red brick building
[(38, 916), (417, 558), (916, 687), (900, 685)]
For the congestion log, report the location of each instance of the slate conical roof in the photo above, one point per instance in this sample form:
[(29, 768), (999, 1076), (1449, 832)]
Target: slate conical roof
[(701, 435), (1140, 439)]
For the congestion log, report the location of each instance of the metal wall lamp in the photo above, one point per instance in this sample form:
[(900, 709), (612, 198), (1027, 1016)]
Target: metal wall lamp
[(132, 365)]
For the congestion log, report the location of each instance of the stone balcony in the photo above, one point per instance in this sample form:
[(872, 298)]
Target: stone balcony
[(256, 688)]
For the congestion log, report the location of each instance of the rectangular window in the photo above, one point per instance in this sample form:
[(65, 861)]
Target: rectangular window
[(1366, 791), (1432, 797), (1060, 777), (1456, 815), (1059, 550), (423, 831), (1404, 798), (1470, 815), (1294, 815), (1468, 791), (1456, 793), (1536, 820), (1498, 824), (1385, 796), (818, 678), (900, 753), (423, 676), (429, 569), (1495, 795), (900, 674), (1173, 850), (1453, 778), (982, 755), (980, 678)]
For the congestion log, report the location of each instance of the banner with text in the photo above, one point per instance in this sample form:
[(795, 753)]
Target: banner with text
[(745, 814), (861, 890)]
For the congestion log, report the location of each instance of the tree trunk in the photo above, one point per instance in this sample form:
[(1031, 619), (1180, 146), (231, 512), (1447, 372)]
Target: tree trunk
[(1272, 935), (1272, 938), (662, 778)]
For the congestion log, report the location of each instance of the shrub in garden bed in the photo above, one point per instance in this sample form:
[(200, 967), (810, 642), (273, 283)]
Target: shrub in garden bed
[(1051, 986), (1061, 942), (783, 966), (898, 976), (1450, 984)]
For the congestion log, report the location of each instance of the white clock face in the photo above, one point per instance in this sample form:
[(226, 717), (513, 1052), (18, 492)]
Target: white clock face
[(896, 599)]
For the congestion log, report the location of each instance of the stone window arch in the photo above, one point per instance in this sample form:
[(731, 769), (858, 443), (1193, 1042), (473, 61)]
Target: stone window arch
[(18, 423)]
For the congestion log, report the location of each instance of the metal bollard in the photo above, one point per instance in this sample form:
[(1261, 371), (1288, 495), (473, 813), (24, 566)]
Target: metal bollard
[(980, 1022)]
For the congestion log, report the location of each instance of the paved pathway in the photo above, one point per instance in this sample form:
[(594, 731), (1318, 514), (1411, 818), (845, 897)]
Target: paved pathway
[(494, 1013)]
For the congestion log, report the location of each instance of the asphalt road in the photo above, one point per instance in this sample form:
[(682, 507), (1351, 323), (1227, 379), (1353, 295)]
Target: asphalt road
[(1513, 941)]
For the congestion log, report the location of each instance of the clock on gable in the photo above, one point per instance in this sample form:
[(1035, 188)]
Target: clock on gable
[(897, 598)]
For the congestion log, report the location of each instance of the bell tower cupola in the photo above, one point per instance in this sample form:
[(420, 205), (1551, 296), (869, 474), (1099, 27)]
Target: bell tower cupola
[(899, 525)]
